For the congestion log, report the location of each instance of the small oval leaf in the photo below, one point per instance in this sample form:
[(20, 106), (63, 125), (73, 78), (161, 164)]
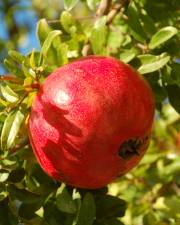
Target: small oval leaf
[(127, 55), (87, 211), (64, 200), (47, 43), (10, 128), (3, 176), (18, 119), (8, 93), (162, 36), (152, 65), (42, 30)]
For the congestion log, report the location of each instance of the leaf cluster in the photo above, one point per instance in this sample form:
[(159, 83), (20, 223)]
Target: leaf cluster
[(142, 33)]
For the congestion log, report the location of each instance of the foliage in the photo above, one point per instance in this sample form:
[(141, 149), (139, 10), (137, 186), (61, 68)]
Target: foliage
[(142, 33)]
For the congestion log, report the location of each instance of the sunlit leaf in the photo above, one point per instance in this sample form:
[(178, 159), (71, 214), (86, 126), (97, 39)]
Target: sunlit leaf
[(3, 176), (152, 63), (114, 40), (10, 128), (47, 43), (3, 103), (127, 55), (32, 59), (162, 36), (99, 36), (68, 22), (42, 30), (18, 119), (8, 93), (69, 4)]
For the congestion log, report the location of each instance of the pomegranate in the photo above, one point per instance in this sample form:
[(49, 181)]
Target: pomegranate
[(91, 121)]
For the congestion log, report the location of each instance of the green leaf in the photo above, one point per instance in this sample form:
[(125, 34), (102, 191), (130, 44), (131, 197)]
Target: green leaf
[(64, 200), (148, 218), (32, 60), (16, 56), (176, 73), (13, 68), (23, 195), (87, 211), (99, 36), (27, 211), (153, 63), (37, 181), (3, 195), (3, 176), (114, 41), (147, 23), (8, 93), (147, 58), (172, 168), (11, 128), (162, 36), (174, 96), (42, 30), (134, 23), (3, 103), (173, 204), (48, 42), (55, 217), (109, 206), (7, 217), (18, 119), (69, 4), (127, 55), (62, 53), (16, 175), (68, 22)]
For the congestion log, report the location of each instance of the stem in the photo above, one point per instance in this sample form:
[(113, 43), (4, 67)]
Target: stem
[(104, 7), (113, 13), (11, 79)]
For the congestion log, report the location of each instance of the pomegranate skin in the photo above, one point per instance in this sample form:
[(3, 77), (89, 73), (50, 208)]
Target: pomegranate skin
[(89, 119)]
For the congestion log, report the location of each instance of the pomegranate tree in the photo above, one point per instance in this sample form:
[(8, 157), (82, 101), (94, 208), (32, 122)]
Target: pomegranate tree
[(91, 121)]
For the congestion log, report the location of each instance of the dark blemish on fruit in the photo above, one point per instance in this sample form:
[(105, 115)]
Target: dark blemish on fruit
[(131, 147)]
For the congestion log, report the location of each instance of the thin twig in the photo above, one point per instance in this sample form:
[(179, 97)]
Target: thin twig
[(11, 79), (113, 13), (104, 7)]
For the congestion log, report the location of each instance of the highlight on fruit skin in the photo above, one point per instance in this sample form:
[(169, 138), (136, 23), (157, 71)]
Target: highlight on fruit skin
[(91, 121)]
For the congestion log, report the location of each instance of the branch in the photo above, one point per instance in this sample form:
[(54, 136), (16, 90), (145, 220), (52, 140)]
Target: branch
[(104, 7), (11, 79), (113, 13)]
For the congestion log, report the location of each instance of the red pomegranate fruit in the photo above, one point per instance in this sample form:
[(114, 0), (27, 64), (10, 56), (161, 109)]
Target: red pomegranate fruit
[(91, 121)]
